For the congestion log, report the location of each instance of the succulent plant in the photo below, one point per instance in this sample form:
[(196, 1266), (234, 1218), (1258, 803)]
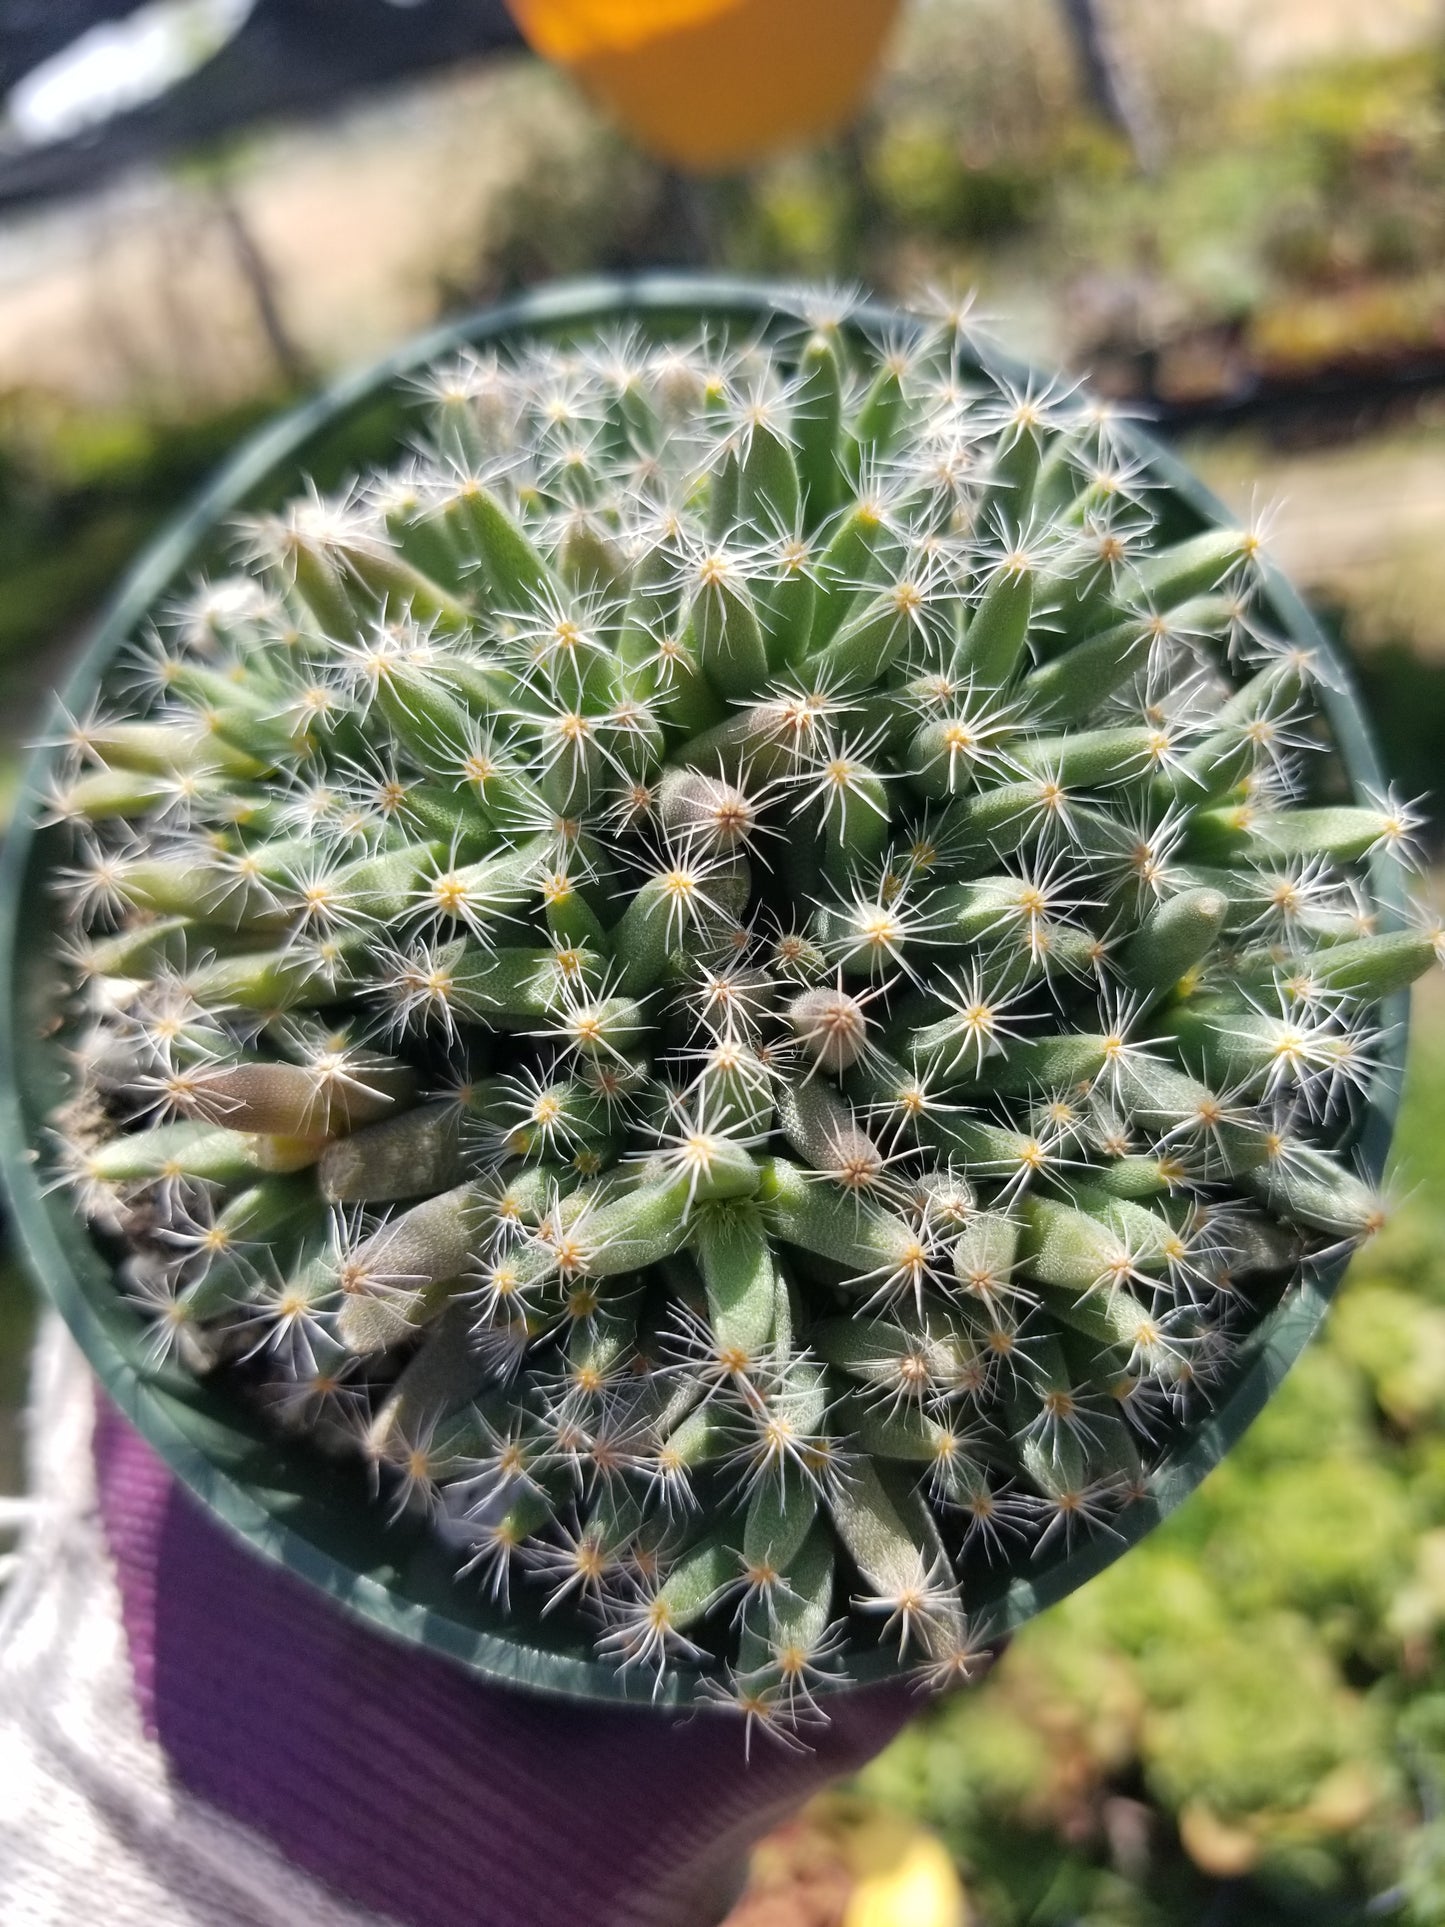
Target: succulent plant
[(740, 971)]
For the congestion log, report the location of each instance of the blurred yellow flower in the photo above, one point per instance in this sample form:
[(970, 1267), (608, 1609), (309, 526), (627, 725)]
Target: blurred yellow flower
[(713, 83), (903, 1877)]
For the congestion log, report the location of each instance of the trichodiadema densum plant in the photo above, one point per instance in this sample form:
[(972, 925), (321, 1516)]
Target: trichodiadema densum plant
[(742, 971)]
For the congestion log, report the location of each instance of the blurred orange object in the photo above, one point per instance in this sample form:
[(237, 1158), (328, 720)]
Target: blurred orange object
[(711, 84)]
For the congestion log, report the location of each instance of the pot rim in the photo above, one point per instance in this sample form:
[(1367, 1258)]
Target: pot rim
[(283, 1501)]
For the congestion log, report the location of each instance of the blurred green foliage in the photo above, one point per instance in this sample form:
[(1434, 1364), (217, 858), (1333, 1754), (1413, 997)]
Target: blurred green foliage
[(1244, 1720), (79, 495), (1288, 221), (1405, 698)]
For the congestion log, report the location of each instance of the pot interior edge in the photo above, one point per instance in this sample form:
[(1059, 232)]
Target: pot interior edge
[(295, 1507)]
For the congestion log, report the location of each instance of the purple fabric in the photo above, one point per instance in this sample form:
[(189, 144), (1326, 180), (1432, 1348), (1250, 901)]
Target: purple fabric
[(409, 1786)]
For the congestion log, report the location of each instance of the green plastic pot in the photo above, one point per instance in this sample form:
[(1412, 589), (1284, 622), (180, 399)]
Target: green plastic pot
[(306, 1512)]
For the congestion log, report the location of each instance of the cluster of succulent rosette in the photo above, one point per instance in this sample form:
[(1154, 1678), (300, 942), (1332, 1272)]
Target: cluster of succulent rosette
[(737, 973)]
